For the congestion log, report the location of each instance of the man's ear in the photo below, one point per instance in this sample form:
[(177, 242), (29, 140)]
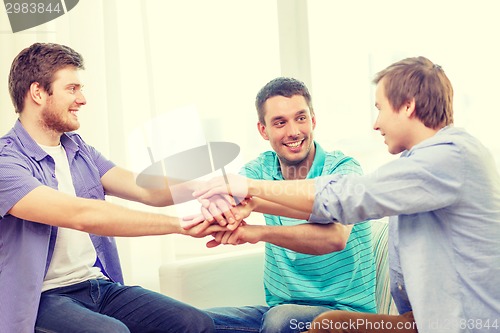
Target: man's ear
[(262, 130), (36, 93), (409, 108), (314, 121)]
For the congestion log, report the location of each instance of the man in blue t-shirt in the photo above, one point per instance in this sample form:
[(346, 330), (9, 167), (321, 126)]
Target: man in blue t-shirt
[(309, 268)]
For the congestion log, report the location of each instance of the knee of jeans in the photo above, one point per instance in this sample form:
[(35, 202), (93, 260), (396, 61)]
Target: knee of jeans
[(115, 326), (195, 320), (118, 329), (281, 319)]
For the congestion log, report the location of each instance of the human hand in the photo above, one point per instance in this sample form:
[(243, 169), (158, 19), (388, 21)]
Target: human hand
[(203, 229), (219, 208), (215, 209), (227, 237), (233, 215), (245, 233), (234, 185)]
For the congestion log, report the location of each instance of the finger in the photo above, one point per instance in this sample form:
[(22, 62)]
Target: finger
[(217, 215), (218, 237), (207, 215), (234, 226), (190, 217), (212, 243), (187, 223), (225, 208), (236, 214), (229, 199), (234, 239), (204, 202), (211, 192), (225, 237)]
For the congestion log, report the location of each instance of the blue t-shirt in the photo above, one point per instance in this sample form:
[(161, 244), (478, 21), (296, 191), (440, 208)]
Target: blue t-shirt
[(343, 280)]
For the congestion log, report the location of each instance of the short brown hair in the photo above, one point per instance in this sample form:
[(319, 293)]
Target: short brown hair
[(39, 63), (421, 79), (281, 86)]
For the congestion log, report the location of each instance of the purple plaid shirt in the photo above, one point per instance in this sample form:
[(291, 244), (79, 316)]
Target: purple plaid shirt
[(26, 247)]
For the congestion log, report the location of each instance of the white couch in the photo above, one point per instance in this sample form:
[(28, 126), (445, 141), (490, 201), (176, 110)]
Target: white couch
[(236, 278)]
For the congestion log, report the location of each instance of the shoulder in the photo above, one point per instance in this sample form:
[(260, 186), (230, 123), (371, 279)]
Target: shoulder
[(11, 148), (337, 162), (449, 146), (264, 164)]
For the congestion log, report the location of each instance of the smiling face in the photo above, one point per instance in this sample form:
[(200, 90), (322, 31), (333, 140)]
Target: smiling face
[(59, 114), (392, 124), (289, 128)]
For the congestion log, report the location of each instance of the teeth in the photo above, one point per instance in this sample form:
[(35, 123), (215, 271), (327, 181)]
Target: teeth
[(294, 144)]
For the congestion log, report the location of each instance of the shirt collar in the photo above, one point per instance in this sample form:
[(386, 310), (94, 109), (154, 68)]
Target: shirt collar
[(34, 150), (316, 167)]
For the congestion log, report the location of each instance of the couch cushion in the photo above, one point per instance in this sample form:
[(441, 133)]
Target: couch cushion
[(385, 303)]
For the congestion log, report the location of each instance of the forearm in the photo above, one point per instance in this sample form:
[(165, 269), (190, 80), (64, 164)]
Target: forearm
[(107, 219), (157, 191), (267, 207), (48, 206), (295, 194), (306, 238), (169, 195)]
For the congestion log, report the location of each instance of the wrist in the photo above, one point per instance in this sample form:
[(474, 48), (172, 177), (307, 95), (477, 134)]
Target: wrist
[(252, 187)]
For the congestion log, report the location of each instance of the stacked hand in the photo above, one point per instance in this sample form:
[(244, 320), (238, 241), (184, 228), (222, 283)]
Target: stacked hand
[(224, 206)]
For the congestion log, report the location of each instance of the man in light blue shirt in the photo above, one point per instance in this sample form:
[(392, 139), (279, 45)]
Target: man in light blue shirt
[(443, 199)]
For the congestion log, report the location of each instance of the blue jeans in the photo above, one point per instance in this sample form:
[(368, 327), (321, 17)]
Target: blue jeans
[(102, 306), (286, 318)]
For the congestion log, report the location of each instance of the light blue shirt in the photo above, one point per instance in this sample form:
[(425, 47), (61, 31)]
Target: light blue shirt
[(343, 280), (443, 197), (26, 247)]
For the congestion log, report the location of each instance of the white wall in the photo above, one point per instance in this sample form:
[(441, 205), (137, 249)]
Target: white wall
[(352, 40), (169, 74)]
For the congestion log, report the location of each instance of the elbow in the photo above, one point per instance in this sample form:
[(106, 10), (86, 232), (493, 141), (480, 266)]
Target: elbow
[(335, 244), (85, 217), (339, 244), (335, 237), (83, 223)]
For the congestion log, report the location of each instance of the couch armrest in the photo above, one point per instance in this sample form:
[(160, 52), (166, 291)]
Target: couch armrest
[(227, 279)]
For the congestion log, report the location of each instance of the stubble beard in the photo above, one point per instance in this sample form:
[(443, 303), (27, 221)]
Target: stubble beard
[(55, 122)]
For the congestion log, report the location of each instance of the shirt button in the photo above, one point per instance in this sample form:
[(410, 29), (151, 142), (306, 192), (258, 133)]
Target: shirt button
[(53, 175), (400, 287)]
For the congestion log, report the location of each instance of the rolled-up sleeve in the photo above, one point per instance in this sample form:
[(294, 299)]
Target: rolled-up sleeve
[(321, 212), (16, 181)]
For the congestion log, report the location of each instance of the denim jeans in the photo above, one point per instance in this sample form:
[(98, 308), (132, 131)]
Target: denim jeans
[(96, 306), (286, 318), (359, 322)]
